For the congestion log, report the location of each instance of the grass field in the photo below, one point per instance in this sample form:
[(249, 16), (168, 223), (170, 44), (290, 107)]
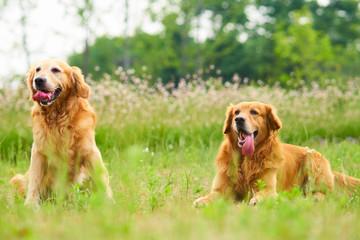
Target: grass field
[(159, 145)]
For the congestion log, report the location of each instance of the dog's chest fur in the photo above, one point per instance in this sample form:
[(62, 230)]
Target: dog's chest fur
[(51, 137), (244, 173), (59, 137)]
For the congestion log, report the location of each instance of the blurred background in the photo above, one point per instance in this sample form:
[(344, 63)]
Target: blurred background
[(286, 43)]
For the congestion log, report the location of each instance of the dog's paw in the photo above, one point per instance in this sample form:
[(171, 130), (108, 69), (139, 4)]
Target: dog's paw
[(254, 201), (318, 196), (201, 201), (109, 194), (32, 203)]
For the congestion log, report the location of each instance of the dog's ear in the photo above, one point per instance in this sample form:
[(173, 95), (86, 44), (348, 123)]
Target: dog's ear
[(29, 79), (80, 86), (273, 120), (228, 120)]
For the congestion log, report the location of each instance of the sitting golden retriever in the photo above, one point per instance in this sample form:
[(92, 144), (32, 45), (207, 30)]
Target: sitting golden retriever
[(63, 129), (251, 152)]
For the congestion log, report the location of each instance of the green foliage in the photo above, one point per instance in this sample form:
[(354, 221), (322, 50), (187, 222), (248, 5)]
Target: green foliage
[(105, 55), (302, 53), (260, 184), (78, 197), (279, 47), (167, 55)]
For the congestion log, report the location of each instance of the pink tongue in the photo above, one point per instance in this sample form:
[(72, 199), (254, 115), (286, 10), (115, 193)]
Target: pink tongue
[(248, 147), (41, 96)]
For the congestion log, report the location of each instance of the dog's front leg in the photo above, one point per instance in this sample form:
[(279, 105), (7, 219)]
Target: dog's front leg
[(266, 190), (36, 175), (96, 167), (220, 186)]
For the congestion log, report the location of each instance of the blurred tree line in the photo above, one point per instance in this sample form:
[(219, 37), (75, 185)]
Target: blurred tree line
[(292, 43)]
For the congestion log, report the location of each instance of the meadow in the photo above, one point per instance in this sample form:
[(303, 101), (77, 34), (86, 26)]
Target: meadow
[(159, 144)]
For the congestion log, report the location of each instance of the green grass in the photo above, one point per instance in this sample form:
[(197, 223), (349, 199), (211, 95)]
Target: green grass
[(160, 158)]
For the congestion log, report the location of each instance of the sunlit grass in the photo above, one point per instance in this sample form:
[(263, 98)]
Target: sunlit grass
[(159, 145)]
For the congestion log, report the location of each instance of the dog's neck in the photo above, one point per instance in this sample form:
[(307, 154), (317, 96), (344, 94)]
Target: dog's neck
[(59, 111), (265, 147)]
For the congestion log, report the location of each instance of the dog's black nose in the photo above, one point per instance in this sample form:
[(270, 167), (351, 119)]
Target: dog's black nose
[(39, 81), (239, 119)]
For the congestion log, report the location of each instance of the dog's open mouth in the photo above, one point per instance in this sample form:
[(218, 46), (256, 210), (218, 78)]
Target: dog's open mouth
[(46, 97), (246, 142)]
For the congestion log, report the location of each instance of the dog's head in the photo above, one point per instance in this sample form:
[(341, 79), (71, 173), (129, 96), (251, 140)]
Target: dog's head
[(251, 123), (50, 80)]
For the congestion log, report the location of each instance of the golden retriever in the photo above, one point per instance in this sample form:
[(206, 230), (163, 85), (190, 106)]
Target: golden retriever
[(251, 152), (63, 129)]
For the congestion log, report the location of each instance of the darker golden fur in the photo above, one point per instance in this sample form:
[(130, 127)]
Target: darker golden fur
[(64, 134), (280, 166)]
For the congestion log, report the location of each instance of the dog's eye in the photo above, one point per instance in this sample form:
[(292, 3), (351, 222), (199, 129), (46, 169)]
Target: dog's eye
[(55, 70), (38, 69), (237, 112), (253, 112)]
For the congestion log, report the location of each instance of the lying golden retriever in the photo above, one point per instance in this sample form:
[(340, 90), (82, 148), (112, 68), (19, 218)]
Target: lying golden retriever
[(63, 129), (251, 152)]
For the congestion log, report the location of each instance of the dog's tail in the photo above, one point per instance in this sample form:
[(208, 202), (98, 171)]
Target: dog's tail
[(350, 184), (19, 183)]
